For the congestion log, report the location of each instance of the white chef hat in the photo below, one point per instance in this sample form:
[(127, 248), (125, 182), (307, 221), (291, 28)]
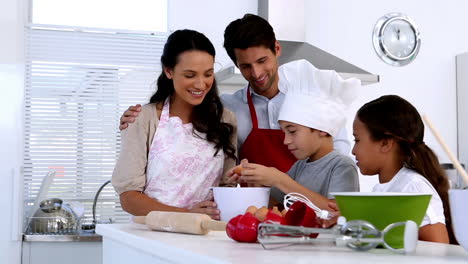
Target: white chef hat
[(315, 98)]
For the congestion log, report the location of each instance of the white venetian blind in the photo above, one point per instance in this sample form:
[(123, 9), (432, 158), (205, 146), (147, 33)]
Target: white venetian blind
[(78, 83)]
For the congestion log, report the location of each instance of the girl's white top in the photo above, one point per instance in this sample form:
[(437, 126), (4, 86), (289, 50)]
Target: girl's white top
[(410, 181)]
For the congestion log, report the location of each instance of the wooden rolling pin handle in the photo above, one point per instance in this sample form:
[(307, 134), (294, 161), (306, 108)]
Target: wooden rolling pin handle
[(214, 225), (451, 156), (139, 219)]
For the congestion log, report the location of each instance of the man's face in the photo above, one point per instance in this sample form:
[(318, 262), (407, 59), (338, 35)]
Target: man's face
[(259, 66)]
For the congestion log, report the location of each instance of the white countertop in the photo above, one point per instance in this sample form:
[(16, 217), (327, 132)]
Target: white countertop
[(124, 242)]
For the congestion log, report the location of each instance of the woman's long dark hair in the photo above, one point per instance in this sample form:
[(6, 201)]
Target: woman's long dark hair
[(391, 116), (206, 117)]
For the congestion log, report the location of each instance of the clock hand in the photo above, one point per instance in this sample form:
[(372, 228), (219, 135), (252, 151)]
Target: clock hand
[(395, 30)]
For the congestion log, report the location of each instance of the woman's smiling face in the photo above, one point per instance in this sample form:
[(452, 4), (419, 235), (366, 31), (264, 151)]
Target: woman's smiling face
[(193, 76)]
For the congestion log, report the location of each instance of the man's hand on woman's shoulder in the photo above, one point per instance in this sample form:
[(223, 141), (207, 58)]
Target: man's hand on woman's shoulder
[(129, 116)]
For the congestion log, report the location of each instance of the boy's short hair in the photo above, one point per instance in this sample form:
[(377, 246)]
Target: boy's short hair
[(313, 129), (248, 31)]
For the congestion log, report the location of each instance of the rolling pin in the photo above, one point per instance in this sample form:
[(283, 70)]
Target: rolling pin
[(445, 147), (188, 223)]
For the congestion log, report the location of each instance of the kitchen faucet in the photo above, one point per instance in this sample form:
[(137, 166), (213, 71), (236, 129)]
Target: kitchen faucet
[(91, 227), (95, 202)]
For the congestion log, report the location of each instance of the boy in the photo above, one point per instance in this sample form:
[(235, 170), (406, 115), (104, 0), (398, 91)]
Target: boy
[(312, 114)]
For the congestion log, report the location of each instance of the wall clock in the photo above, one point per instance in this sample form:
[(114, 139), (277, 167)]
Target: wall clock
[(396, 39)]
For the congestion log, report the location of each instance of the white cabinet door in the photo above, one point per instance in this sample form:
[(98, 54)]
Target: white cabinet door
[(62, 252)]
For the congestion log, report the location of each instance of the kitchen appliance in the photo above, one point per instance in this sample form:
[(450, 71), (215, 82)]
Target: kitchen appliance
[(357, 234), (295, 50)]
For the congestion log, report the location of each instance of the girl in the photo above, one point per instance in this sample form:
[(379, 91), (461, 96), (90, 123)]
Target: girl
[(389, 135), (183, 141)]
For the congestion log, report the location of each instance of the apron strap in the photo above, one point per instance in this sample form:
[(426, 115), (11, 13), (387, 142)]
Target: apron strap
[(253, 114)]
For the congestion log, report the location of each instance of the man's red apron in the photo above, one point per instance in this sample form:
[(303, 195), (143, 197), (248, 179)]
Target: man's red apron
[(265, 146)]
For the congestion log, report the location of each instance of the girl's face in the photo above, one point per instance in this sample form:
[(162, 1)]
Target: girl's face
[(302, 141), (366, 150), (193, 76)]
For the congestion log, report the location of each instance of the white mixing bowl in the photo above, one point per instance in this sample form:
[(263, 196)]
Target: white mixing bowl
[(233, 201)]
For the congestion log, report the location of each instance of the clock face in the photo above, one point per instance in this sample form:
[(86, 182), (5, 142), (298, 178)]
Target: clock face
[(399, 38), (396, 39)]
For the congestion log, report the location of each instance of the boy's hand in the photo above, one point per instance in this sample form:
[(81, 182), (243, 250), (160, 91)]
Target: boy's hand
[(257, 174), (129, 116), (332, 207)]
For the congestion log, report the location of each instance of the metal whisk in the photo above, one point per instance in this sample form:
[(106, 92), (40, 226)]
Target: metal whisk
[(357, 235)]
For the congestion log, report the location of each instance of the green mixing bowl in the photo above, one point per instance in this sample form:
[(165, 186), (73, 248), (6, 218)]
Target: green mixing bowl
[(384, 208)]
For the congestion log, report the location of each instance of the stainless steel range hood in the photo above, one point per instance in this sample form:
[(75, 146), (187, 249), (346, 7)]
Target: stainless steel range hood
[(323, 60), (295, 50)]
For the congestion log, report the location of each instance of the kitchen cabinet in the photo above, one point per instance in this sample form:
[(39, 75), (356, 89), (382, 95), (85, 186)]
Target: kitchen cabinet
[(135, 243), (59, 249)]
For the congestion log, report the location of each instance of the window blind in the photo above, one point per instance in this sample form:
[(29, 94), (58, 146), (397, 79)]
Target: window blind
[(77, 84)]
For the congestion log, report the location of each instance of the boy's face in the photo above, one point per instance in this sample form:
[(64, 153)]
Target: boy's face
[(259, 66), (366, 150), (302, 141)]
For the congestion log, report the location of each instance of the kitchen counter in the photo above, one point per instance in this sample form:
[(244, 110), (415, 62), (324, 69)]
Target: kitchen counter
[(135, 243), (57, 249), (81, 237)]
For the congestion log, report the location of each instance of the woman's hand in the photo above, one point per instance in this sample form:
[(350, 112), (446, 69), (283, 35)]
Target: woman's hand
[(206, 207), (233, 174)]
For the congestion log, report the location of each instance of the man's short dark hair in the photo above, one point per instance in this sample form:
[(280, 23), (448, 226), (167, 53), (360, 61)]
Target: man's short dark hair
[(248, 31)]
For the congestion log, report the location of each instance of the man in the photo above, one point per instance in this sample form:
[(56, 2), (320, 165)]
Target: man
[(251, 44)]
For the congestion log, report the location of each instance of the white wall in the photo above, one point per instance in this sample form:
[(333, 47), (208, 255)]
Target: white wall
[(288, 19), (345, 28), (210, 17), (11, 85)]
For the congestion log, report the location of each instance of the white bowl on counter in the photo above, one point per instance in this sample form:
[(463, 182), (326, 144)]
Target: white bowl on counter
[(233, 201)]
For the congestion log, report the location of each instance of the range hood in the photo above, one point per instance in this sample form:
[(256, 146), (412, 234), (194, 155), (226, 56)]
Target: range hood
[(295, 50)]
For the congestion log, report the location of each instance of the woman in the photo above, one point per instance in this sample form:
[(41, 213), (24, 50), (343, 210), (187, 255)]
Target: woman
[(183, 141)]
